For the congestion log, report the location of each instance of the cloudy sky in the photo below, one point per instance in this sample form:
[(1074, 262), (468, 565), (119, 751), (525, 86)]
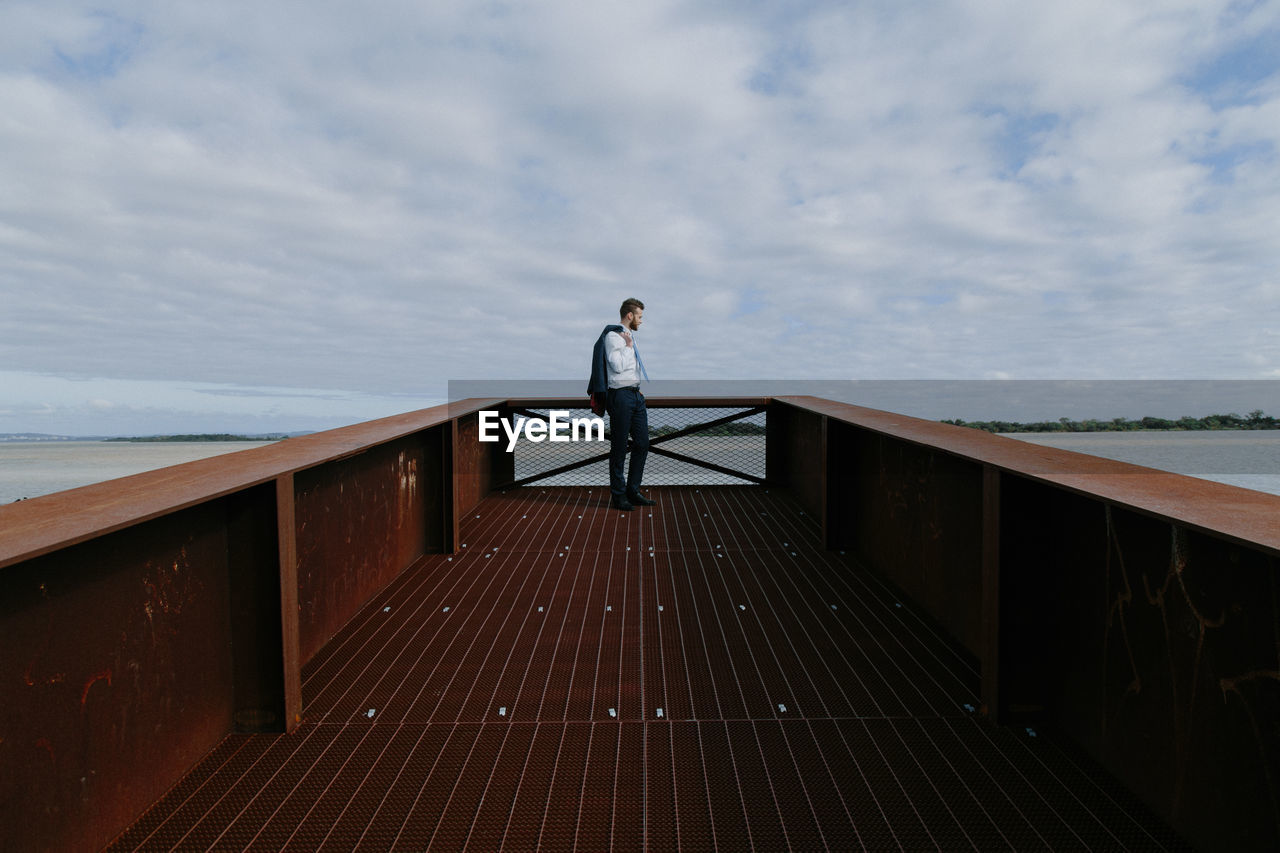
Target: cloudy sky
[(287, 215)]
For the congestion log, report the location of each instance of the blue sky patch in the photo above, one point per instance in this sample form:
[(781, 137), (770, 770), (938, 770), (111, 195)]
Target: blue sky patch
[(1231, 77), (750, 302), (1224, 161), (779, 73), (106, 52), (1019, 137)]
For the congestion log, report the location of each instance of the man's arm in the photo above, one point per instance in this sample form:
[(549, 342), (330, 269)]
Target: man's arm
[(617, 351)]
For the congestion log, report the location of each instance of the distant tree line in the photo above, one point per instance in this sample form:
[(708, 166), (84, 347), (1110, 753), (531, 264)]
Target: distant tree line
[(1254, 420), (219, 436)]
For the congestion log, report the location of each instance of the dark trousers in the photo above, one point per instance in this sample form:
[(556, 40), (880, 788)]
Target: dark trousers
[(628, 418)]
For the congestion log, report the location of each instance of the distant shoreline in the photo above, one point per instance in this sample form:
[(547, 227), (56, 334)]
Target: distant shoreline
[(201, 437), (193, 438), (1255, 420)]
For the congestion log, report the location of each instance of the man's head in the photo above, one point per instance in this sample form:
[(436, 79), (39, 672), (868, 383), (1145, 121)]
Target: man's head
[(631, 313)]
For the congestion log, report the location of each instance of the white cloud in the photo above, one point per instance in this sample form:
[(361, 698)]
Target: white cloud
[(97, 406), (380, 199)]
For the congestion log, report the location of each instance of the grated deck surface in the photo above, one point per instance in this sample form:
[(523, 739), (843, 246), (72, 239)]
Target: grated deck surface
[(697, 675)]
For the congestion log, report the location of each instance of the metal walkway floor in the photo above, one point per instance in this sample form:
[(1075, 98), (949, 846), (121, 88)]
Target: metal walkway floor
[(693, 676)]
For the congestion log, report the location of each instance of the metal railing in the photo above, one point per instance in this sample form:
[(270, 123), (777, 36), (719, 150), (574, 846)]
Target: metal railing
[(687, 446)]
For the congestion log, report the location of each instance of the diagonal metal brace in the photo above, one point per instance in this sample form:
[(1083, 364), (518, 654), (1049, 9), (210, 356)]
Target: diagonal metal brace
[(693, 429)]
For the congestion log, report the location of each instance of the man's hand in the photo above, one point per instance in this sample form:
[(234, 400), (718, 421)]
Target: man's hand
[(626, 337)]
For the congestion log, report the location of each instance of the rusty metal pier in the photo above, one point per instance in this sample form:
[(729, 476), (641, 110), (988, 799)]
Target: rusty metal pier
[(891, 634)]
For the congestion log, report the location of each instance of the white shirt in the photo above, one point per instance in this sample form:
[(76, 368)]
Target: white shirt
[(623, 372)]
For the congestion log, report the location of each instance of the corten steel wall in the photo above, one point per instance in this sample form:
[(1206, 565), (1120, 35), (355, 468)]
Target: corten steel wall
[(1136, 611), (915, 515), (359, 522), (480, 464), (1155, 647), (795, 454), (118, 676), (145, 618)]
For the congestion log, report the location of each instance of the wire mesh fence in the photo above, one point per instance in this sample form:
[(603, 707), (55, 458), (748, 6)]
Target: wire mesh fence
[(682, 443)]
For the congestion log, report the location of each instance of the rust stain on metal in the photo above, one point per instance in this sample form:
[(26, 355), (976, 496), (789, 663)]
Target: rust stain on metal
[(170, 588), (94, 679), (406, 503), (30, 681)]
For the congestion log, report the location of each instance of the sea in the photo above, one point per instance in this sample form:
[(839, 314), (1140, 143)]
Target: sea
[(29, 469), (1246, 458), (1249, 459)]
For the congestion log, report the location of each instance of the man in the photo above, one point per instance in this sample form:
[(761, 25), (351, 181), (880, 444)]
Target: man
[(628, 417)]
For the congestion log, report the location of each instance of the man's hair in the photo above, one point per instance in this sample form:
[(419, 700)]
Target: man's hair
[(630, 305)]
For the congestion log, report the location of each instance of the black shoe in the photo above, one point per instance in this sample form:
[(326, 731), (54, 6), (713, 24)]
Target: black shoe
[(621, 503), (640, 500)]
